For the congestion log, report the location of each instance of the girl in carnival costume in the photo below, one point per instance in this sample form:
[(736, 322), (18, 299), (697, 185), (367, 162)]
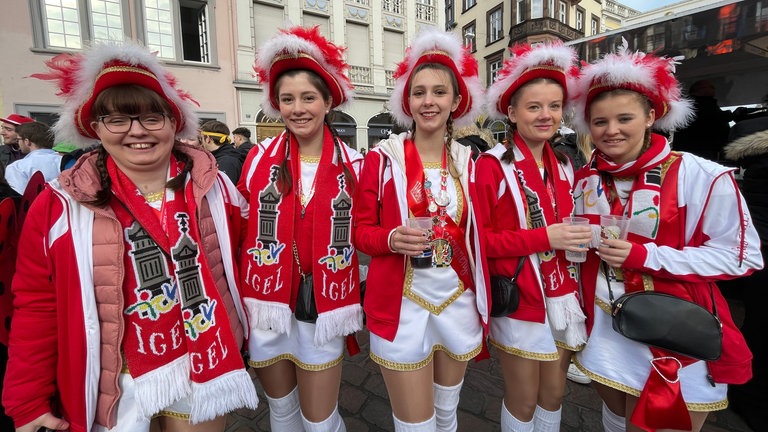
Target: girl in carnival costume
[(426, 323), (525, 189), (128, 316), (689, 227), (300, 189)]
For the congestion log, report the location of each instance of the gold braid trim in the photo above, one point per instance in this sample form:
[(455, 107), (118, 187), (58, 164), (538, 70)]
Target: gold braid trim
[(297, 362), (403, 367)]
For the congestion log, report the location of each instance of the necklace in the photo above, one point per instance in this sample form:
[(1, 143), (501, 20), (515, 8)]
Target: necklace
[(304, 198), (437, 207), (154, 196)]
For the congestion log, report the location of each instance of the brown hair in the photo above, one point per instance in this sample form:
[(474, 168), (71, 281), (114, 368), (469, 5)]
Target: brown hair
[(131, 99), (284, 179), (509, 154), (38, 133)]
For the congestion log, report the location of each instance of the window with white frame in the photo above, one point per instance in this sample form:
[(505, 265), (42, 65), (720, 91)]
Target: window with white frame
[(579, 19), (179, 30), (537, 9), (469, 3), (495, 24), (520, 11), (563, 13), (450, 16), (595, 26), (551, 8), (470, 32), (494, 65), (63, 25)]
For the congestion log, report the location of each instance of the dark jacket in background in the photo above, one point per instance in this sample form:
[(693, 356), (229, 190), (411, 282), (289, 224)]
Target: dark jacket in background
[(230, 161), (708, 132)]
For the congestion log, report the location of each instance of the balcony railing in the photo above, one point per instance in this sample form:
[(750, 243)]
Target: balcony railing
[(360, 2), (360, 75), (392, 6), (544, 25), (425, 12), (390, 77)]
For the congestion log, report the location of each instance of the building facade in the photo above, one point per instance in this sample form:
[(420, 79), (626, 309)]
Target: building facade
[(209, 45), (615, 15)]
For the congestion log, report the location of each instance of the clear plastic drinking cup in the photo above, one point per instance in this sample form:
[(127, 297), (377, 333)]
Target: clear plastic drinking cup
[(424, 260), (576, 257), (614, 227)]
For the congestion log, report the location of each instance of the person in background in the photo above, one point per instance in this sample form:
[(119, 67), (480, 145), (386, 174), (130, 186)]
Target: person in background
[(127, 314), (9, 151), (566, 141), (35, 142), (525, 190), (241, 138), (477, 139), (428, 319), (750, 399), (707, 134), (299, 268), (214, 135), (689, 227)]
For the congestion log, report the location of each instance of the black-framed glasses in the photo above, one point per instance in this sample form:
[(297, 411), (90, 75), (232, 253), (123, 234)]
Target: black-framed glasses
[(121, 123)]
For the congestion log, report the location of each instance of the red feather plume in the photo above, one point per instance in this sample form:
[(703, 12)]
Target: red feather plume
[(63, 70)]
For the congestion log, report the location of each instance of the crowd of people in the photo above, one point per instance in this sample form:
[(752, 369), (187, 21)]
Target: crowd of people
[(164, 257)]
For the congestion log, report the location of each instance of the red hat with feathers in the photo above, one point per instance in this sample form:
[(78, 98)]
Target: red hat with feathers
[(647, 74), (436, 46), (81, 77), (301, 48), (552, 60)]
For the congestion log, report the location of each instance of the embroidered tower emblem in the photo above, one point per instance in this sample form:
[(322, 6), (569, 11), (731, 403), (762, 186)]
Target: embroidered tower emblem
[(267, 249), (156, 291), (340, 249)]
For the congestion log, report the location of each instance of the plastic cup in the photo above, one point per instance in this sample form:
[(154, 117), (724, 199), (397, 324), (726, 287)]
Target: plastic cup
[(424, 260), (614, 227), (577, 257)]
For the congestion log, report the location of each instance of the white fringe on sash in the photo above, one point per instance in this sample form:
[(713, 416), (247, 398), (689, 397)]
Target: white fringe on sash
[(273, 316), (222, 395), (338, 322), (565, 313), (163, 386)]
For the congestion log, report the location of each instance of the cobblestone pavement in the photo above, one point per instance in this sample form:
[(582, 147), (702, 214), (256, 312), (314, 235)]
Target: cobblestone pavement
[(364, 405)]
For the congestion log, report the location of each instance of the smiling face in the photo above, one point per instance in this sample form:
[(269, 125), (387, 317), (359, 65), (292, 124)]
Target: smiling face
[(432, 98), (536, 109), (618, 123), (304, 101), (138, 149), (9, 134)]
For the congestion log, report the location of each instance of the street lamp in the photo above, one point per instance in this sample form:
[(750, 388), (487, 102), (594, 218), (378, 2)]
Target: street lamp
[(468, 38)]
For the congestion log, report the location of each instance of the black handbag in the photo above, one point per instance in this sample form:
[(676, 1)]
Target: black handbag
[(668, 322), (306, 308), (505, 293)]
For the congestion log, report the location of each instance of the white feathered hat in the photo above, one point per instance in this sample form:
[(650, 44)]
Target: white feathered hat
[(81, 77), (647, 74), (301, 48), (551, 60), (436, 46)]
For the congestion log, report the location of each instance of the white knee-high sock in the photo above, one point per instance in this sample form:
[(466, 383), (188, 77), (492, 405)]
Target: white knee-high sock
[(425, 426), (510, 423), (546, 421), (285, 413), (446, 404), (334, 423), (613, 422)]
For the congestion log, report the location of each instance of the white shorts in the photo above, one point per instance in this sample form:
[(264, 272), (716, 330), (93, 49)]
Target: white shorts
[(456, 331), (267, 347)]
